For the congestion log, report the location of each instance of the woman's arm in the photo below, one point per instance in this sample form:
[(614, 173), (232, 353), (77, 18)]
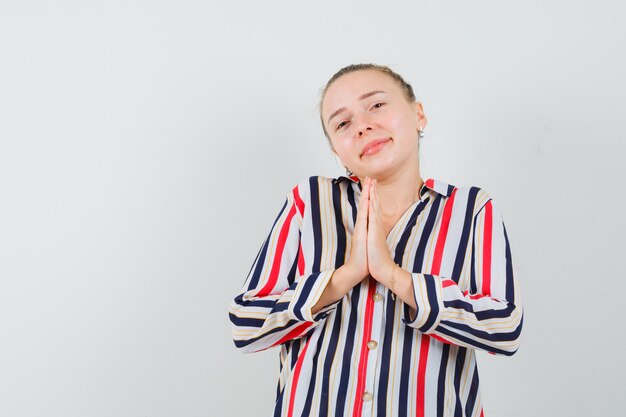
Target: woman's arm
[(339, 284), (487, 317), (276, 300)]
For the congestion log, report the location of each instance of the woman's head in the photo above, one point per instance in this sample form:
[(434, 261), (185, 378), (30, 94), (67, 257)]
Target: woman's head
[(406, 87), (371, 119)]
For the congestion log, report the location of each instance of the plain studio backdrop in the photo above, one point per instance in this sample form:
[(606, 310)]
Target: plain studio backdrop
[(146, 148)]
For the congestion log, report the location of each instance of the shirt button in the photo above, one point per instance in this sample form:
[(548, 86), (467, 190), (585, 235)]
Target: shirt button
[(372, 344), (367, 396), (377, 297)]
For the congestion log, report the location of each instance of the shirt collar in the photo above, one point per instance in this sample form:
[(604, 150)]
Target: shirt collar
[(437, 186)]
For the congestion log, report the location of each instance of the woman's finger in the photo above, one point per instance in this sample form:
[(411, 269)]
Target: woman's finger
[(358, 253), (376, 205), (364, 202), (373, 208), (371, 217)]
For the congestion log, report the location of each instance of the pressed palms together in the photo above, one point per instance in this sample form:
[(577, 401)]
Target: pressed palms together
[(369, 254)]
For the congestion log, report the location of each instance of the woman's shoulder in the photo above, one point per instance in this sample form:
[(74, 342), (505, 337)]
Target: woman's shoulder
[(317, 181), (318, 187), (474, 196)]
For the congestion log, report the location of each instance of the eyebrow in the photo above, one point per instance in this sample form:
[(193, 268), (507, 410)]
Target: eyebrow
[(364, 96)]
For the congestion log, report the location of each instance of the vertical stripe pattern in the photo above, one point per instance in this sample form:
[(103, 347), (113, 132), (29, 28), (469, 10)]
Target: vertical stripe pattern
[(370, 354)]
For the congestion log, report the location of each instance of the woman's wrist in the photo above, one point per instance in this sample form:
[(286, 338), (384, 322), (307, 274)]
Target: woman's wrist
[(402, 285), (341, 281), (350, 276), (337, 283), (391, 276)]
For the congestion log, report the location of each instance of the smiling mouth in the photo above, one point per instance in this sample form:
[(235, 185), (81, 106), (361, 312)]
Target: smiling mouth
[(374, 147)]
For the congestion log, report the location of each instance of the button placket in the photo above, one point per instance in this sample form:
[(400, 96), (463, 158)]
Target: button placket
[(367, 396)]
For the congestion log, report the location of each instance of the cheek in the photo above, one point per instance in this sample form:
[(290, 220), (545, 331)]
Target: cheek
[(403, 124), (344, 148), (343, 151), (342, 140)]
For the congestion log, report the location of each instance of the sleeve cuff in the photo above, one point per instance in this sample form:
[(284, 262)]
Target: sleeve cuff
[(427, 293), (307, 293)]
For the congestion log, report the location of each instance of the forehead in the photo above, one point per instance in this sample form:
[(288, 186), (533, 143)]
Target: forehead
[(349, 87)]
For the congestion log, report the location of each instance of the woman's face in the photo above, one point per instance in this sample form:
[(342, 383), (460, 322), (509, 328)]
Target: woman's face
[(371, 125)]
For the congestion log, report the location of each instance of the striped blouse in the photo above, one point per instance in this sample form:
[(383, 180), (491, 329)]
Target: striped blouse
[(363, 355)]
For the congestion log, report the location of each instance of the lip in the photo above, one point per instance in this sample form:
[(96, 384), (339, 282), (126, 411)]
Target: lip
[(374, 146)]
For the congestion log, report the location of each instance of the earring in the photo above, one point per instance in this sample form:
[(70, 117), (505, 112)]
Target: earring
[(348, 172), (420, 133)]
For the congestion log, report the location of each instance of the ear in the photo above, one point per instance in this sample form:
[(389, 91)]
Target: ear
[(421, 119)]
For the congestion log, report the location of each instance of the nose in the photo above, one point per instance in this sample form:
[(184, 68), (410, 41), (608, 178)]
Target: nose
[(363, 125), (363, 130)]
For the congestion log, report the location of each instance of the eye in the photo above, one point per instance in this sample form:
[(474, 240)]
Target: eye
[(340, 125), (378, 105)]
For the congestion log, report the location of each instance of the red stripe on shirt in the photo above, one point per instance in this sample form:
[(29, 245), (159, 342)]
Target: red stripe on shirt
[(278, 255), (367, 333), (421, 374), (301, 261), (443, 232), (297, 332), (296, 375), (474, 296), (487, 249), (425, 342), (447, 283), (298, 200), (441, 339)]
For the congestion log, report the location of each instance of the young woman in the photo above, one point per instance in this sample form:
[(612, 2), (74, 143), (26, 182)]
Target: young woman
[(379, 286)]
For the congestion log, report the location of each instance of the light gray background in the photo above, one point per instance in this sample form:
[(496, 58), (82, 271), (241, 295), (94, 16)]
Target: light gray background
[(146, 148)]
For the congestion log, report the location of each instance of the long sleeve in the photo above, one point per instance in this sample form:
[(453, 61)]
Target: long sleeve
[(275, 303), (489, 315)]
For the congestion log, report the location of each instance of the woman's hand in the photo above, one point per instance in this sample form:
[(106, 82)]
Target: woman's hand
[(357, 264), (379, 258), (369, 254)]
